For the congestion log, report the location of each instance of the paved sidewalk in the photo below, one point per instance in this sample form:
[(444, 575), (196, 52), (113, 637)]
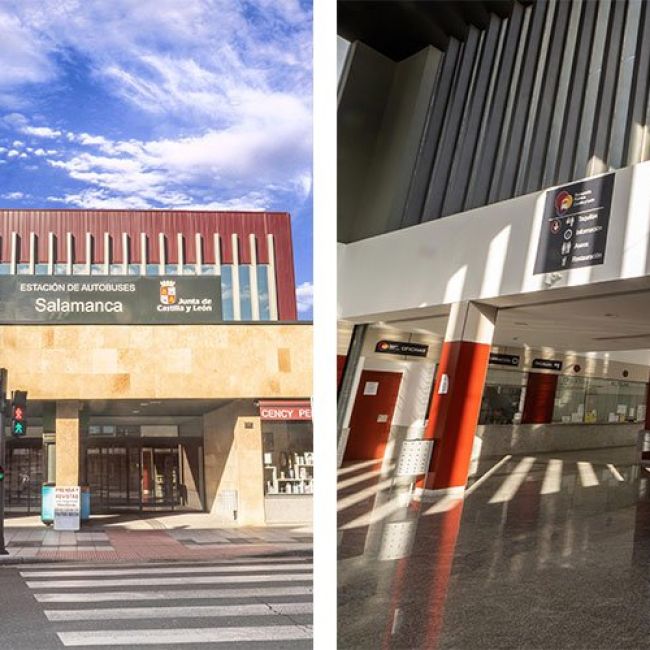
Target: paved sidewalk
[(164, 537)]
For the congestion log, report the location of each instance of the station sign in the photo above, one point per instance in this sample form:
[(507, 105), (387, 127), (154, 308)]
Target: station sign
[(110, 300), (498, 359), (547, 364), (299, 410), (574, 225), (402, 348)]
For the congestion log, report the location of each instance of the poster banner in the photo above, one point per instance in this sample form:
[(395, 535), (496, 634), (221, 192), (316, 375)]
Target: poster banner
[(110, 300), (67, 508)]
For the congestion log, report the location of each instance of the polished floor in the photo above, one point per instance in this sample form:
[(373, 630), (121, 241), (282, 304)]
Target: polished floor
[(545, 551)]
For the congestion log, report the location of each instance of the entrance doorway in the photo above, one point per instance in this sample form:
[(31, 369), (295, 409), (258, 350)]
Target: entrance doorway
[(134, 476), (372, 415)]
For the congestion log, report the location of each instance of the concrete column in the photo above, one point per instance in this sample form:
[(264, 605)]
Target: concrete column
[(68, 443), (248, 441), (458, 390)]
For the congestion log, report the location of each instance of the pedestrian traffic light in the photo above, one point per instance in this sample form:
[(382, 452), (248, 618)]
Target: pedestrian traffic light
[(2, 473), (19, 413)]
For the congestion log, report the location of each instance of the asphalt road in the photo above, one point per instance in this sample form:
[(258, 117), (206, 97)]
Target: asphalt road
[(252, 603)]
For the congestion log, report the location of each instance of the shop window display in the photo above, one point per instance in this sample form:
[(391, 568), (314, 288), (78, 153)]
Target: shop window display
[(288, 457), (501, 402)]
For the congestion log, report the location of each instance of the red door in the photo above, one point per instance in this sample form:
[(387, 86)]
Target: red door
[(372, 415)]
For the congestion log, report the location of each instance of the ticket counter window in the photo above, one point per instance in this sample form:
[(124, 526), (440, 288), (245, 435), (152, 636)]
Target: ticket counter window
[(569, 399), (288, 457), (612, 401), (501, 401)]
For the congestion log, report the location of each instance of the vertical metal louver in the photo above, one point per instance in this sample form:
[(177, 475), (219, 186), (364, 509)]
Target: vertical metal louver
[(554, 92)]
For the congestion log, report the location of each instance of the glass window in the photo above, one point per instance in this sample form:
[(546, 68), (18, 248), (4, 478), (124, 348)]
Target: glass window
[(41, 269), (5, 269), (153, 269), (245, 292), (97, 269), (171, 269), (288, 457), (189, 269), (60, 269), (117, 269), (134, 269), (226, 292), (263, 291), (80, 269), (610, 400), (208, 269), (502, 397), (569, 399), (22, 269)]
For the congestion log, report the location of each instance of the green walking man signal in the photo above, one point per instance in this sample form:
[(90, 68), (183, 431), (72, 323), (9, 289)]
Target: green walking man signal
[(19, 413), (2, 473)]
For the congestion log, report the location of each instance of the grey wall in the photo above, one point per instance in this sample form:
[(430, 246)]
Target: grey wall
[(382, 108), (555, 92)]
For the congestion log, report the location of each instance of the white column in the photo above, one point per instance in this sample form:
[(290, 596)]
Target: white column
[(273, 292), (198, 261), (69, 243), (107, 253), (181, 256), (236, 305), (89, 252), (217, 254), (50, 253), (125, 253), (255, 296), (14, 253), (143, 253), (161, 257), (32, 253)]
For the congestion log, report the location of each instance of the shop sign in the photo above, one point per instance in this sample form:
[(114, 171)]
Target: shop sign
[(574, 225), (547, 364), (110, 300), (402, 348), (67, 508), (285, 410), (504, 359)]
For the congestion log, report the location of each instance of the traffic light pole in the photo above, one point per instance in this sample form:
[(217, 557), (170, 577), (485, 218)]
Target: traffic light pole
[(3, 404)]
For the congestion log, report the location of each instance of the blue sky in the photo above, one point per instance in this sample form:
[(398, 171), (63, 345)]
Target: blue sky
[(192, 104)]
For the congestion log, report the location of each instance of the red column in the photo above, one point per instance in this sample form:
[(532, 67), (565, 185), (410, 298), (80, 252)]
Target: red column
[(457, 396)]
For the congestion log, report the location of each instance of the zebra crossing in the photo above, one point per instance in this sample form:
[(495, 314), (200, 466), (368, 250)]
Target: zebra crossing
[(233, 603)]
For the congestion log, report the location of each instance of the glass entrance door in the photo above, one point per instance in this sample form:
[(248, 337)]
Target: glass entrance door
[(160, 477), (127, 477)]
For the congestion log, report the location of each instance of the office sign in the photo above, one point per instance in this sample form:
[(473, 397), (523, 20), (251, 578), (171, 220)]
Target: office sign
[(547, 364), (504, 359), (574, 225), (67, 508), (110, 300), (300, 410), (402, 348)]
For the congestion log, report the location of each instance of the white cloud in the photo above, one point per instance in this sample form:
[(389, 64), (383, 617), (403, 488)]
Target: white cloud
[(13, 196), (41, 131), (13, 153), (23, 56), (305, 297)]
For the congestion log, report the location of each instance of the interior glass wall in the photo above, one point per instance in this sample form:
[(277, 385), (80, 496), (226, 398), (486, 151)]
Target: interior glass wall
[(502, 396)]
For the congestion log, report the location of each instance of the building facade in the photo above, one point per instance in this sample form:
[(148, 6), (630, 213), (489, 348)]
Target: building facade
[(163, 359), (494, 228)]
